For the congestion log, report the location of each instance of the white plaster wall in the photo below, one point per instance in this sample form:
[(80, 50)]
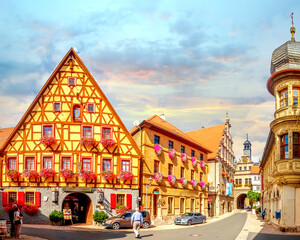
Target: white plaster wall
[(288, 205)]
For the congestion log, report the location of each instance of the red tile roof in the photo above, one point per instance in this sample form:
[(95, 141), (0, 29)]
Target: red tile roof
[(254, 170), (4, 134)]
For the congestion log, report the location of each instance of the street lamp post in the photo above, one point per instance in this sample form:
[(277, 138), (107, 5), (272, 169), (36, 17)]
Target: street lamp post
[(148, 185)]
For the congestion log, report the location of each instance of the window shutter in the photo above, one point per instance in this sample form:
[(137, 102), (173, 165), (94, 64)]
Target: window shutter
[(112, 201), (129, 201), (21, 198), (38, 198), (4, 198)]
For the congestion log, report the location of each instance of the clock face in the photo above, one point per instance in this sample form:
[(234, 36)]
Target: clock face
[(77, 113)]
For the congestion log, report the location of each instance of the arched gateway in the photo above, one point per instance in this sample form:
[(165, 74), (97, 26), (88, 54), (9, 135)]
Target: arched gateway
[(241, 201)]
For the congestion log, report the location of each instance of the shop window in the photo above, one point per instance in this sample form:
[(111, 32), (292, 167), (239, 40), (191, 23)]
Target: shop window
[(182, 205), (171, 145), (12, 197), (182, 172), (48, 131), (284, 146), (86, 164), (296, 145), (192, 174), (156, 139), (192, 153), (12, 163), (72, 81), (66, 162), (296, 96), (57, 107), (91, 107), (77, 113), (106, 133), (125, 166), (283, 97), (170, 205), (156, 166), (120, 199), (87, 132), (170, 169), (29, 197), (29, 163), (106, 164), (47, 162), (182, 149)]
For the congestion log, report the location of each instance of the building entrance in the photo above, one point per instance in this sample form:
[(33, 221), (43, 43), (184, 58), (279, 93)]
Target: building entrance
[(241, 201)]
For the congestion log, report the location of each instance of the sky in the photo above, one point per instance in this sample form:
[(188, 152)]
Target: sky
[(190, 60)]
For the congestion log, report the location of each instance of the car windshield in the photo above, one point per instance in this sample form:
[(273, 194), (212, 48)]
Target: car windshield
[(187, 215)]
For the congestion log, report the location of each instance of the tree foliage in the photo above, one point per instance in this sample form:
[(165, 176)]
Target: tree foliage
[(253, 196)]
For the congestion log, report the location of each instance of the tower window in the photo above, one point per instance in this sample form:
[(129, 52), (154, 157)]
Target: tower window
[(156, 139), (296, 96), (182, 149), (296, 145), (284, 146), (283, 97)]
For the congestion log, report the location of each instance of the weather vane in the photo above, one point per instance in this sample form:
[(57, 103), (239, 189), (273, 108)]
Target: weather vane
[(292, 17)]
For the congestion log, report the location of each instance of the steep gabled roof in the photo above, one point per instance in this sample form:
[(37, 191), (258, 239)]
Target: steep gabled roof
[(70, 53), (4, 134), (209, 137)]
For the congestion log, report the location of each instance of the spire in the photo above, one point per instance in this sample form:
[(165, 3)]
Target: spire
[(247, 136), (227, 119), (293, 29)]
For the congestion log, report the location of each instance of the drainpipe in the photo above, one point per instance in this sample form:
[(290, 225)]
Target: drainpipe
[(141, 166)]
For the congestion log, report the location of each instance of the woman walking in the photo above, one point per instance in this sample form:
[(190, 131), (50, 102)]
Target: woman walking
[(17, 221)]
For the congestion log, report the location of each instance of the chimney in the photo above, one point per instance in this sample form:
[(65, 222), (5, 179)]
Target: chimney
[(162, 116)]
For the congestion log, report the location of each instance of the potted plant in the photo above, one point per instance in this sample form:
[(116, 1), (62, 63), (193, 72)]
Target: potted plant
[(202, 164), (30, 173), (171, 179), (183, 181), (87, 175), (171, 153), (13, 174), (157, 149), (158, 177), (194, 183), (108, 175), (126, 175), (194, 161), (108, 142), (30, 209), (99, 217), (66, 173), (48, 140), (183, 157), (202, 185), (88, 141), (47, 172), (56, 217)]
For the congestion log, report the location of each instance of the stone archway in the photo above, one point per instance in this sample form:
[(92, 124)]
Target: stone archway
[(240, 202)]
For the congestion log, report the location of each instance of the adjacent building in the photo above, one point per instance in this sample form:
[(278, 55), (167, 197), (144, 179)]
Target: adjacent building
[(280, 165), (255, 178), (70, 150)]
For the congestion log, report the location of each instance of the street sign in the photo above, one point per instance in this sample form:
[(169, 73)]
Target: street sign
[(209, 199)]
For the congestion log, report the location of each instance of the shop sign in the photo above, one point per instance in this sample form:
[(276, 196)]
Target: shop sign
[(78, 189)]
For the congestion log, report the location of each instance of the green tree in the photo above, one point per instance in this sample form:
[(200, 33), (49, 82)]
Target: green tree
[(253, 196)]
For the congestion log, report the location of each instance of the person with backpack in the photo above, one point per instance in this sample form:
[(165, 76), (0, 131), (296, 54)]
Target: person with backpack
[(263, 213)]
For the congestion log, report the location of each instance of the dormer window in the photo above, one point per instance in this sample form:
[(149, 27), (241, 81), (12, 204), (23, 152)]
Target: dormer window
[(296, 96), (91, 107), (283, 97), (72, 81), (57, 107)]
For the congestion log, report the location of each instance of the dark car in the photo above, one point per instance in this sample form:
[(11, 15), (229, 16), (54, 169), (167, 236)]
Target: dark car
[(124, 221), (190, 218)]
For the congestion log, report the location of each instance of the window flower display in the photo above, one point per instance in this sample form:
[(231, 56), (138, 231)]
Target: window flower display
[(125, 175), (13, 174), (202, 164), (183, 157), (48, 140), (228, 176), (183, 181), (223, 174), (171, 179), (202, 185), (30, 173), (88, 141), (194, 161), (157, 149), (158, 177), (47, 172), (66, 173), (87, 175), (171, 153), (30, 209), (231, 180), (108, 175), (108, 142), (194, 183)]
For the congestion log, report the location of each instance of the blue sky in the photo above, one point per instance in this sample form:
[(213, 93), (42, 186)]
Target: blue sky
[(191, 60)]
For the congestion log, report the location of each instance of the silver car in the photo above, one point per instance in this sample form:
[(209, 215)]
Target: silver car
[(190, 218)]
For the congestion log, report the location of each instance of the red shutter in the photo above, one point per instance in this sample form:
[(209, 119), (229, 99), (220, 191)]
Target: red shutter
[(21, 198), (38, 199), (112, 201), (129, 201), (4, 198)]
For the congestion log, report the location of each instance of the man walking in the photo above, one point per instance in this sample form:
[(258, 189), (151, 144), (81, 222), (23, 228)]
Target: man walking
[(137, 222), (263, 213)]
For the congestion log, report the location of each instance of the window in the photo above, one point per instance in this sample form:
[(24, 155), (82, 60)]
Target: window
[(296, 145), (87, 131), (240, 181), (48, 131), (296, 96), (106, 164), (192, 205), (77, 113), (192, 153), (72, 81), (249, 167), (245, 168), (192, 174), (57, 107), (120, 199), (86, 164), (182, 149), (240, 168), (66, 163), (284, 146), (156, 166), (156, 139), (182, 172), (236, 181), (47, 162), (29, 163), (283, 97), (106, 133), (125, 166), (171, 145), (170, 205), (91, 107), (249, 180), (170, 169), (201, 156), (182, 205), (201, 176), (246, 180), (12, 197), (12, 163), (29, 197)]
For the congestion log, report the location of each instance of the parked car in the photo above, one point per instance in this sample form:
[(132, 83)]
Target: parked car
[(190, 218), (124, 221)]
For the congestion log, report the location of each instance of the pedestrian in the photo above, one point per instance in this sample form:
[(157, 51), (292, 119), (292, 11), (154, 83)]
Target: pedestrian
[(17, 221), (11, 219), (263, 213), (137, 222)]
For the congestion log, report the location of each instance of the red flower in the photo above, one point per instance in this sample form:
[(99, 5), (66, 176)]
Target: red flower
[(125, 175), (12, 173), (66, 173), (108, 175), (30, 209), (48, 140), (47, 172), (30, 173), (108, 142), (88, 175), (88, 141)]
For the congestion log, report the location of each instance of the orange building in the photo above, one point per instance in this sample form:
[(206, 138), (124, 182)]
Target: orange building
[(70, 149)]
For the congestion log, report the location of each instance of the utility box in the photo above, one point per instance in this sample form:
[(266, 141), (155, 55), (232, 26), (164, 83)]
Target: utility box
[(277, 215)]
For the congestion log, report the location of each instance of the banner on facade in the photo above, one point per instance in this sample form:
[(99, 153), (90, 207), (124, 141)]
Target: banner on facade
[(228, 188)]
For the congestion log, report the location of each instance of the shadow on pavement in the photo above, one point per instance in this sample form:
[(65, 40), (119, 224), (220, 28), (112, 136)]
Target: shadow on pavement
[(266, 236)]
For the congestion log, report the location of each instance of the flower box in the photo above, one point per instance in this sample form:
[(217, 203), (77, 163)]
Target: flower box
[(194, 161), (157, 149), (13, 174), (171, 179), (223, 174), (228, 176), (125, 175), (158, 177), (194, 183), (87, 175), (202, 164), (30, 173), (183, 181), (108, 142), (202, 185), (171, 153), (231, 180), (88, 141), (108, 175), (48, 140), (237, 185), (66, 173), (183, 157), (47, 172), (30, 209)]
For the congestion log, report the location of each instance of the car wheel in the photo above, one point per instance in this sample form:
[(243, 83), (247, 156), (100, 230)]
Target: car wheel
[(202, 220), (146, 225), (190, 222), (116, 226)]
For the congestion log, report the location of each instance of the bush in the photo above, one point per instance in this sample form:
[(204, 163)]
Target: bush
[(258, 210), (56, 216), (100, 216)]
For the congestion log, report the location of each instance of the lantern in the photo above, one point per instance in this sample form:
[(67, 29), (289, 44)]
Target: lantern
[(55, 195)]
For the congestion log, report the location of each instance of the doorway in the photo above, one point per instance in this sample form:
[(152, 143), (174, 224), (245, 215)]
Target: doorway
[(155, 198), (241, 201)]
